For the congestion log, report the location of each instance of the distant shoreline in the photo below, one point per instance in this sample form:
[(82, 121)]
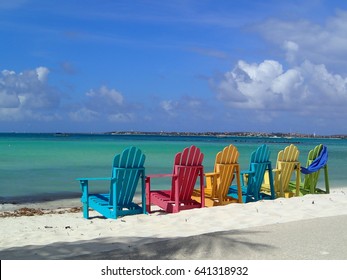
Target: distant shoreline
[(189, 134), (230, 134)]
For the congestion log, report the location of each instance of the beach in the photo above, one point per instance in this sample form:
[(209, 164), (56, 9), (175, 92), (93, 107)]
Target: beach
[(310, 227)]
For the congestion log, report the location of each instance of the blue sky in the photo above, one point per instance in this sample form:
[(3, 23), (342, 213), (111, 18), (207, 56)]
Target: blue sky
[(194, 65)]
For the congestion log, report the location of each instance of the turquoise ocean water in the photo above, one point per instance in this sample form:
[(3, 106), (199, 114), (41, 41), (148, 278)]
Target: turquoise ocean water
[(39, 167)]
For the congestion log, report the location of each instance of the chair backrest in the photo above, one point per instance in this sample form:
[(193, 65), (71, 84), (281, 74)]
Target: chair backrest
[(287, 162), (126, 171), (260, 161), (187, 168), (311, 180), (225, 163)]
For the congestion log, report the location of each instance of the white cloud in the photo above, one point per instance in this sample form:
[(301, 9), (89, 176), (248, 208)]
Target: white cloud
[(121, 117), (249, 85), (8, 100), (304, 40), (169, 106), (83, 114), (10, 114), (313, 82), (330, 89), (27, 95), (42, 73), (105, 104), (287, 83), (304, 98), (111, 96), (291, 49), (184, 104), (307, 88), (264, 72), (104, 101)]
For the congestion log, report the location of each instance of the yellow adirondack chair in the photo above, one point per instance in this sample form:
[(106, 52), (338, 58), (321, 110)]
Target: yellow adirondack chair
[(287, 166), (226, 168), (309, 184)]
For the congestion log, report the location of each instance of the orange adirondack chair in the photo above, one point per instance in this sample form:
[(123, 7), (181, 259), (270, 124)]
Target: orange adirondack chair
[(186, 170), (226, 168)]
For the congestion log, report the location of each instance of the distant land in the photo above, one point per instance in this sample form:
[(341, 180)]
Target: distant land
[(228, 134), (208, 133)]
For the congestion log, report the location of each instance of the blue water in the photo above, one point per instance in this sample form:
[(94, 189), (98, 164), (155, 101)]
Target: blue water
[(36, 167)]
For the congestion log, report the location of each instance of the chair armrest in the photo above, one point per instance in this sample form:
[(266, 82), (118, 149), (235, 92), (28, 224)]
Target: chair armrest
[(159, 175), (150, 176), (85, 186), (211, 183), (211, 174), (243, 172), (93, 179)]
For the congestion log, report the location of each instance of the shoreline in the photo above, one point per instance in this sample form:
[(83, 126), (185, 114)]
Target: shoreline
[(62, 201), (69, 236), (39, 198), (287, 135), (52, 204)]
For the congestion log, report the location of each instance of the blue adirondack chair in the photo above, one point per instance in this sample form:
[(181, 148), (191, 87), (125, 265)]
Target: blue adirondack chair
[(127, 173), (252, 179)]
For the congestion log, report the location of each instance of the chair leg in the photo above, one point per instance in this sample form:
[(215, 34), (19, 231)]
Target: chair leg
[(143, 194), (85, 210), (148, 206), (326, 179), (148, 195), (84, 198)]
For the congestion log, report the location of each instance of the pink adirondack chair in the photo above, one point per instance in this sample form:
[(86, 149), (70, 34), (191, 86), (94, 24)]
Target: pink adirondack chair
[(186, 170)]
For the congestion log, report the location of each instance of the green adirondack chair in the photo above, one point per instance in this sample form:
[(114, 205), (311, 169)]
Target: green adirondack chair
[(253, 178), (128, 172), (309, 184)]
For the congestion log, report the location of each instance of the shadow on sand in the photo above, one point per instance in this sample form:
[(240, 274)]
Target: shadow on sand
[(217, 245)]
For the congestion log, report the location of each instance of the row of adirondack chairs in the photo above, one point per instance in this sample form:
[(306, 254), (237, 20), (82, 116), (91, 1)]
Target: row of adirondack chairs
[(226, 184)]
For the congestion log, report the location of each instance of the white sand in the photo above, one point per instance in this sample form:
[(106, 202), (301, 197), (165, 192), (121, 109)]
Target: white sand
[(69, 235)]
